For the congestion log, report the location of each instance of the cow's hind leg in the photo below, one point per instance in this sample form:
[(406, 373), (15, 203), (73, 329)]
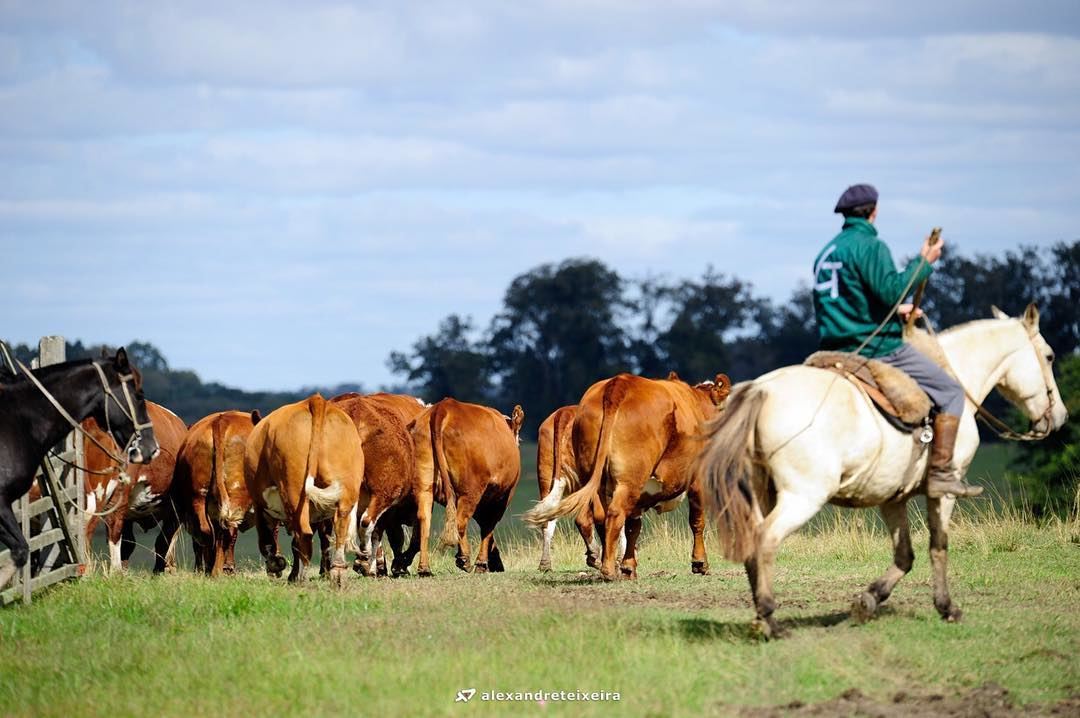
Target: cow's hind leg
[(586, 520), (939, 512), (699, 561), (622, 503), (301, 549), (267, 529), (896, 520), (791, 511), (344, 535), (631, 531), (466, 506), (12, 537), (489, 558)]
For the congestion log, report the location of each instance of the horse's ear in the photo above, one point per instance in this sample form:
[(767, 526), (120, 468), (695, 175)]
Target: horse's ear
[(997, 313), (723, 381), (1031, 316), (121, 360), (673, 376), (256, 417)]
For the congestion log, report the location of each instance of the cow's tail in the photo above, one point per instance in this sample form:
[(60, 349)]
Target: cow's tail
[(326, 497), (726, 468), (217, 434), (449, 536), (548, 509)]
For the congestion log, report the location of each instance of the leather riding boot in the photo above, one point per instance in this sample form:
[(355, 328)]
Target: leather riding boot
[(942, 477)]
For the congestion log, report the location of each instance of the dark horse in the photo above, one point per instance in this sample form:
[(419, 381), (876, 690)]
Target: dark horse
[(110, 390)]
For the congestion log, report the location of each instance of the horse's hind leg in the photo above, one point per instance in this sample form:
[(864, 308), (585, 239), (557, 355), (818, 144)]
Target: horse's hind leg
[(896, 519), (792, 511), (939, 512), (12, 537)]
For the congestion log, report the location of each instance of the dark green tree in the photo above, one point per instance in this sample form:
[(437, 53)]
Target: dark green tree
[(447, 363), (560, 330)]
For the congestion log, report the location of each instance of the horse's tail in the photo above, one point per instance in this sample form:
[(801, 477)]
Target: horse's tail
[(321, 497), (614, 393), (726, 471), (449, 535)]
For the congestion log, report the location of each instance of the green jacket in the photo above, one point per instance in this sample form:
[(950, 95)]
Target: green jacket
[(855, 286)]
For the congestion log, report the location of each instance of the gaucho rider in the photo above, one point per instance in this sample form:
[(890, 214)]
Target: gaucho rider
[(856, 285)]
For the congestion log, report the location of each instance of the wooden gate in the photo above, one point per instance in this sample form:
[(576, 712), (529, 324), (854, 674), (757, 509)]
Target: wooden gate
[(54, 523)]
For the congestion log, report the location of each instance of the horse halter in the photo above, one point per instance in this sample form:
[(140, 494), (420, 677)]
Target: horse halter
[(1001, 428), (129, 411)]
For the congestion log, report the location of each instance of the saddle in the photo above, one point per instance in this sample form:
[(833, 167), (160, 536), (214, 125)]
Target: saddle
[(894, 393)]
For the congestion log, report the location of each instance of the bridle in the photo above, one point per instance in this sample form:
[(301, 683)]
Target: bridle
[(128, 410), (996, 425)]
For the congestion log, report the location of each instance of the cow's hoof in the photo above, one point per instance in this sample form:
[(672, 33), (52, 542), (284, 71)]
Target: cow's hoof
[(358, 565), (863, 607), (463, 564), (592, 561), (337, 575), (544, 567), (228, 569), (424, 572), (608, 576), (701, 568), (397, 571), (480, 567), (628, 574), (380, 569)]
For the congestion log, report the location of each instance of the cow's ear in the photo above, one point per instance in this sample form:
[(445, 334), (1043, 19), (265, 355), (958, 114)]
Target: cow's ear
[(1031, 317), (997, 313), (723, 382), (256, 417), (673, 376), (517, 418), (121, 361)]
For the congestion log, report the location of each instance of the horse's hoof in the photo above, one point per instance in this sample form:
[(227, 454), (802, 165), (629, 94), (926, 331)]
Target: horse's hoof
[(424, 572), (863, 607), (276, 564), (765, 629), (701, 568), (608, 576), (629, 574), (337, 575), (544, 567), (380, 569), (398, 571), (464, 565), (228, 570), (480, 567), (358, 566), (953, 615), (592, 561)]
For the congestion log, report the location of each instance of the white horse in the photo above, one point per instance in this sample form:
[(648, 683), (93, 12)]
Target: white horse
[(797, 438)]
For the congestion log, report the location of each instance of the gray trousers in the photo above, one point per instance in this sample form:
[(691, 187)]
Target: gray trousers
[(943, 390)]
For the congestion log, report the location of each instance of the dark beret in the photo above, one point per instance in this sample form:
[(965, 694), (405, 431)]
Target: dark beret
[(856, 196)]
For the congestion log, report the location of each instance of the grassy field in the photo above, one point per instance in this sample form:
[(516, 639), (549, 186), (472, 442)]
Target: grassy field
[(669, 643)]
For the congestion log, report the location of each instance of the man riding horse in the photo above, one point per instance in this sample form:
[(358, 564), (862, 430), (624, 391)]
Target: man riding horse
[(856, 286)]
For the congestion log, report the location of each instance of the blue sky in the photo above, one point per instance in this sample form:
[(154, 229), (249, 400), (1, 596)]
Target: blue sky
[(279, 194)]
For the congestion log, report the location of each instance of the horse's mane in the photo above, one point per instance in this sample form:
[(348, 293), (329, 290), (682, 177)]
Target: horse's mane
[(6, 377)]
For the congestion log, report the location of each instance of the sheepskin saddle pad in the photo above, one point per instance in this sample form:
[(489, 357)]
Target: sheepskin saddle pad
[(892, 390)]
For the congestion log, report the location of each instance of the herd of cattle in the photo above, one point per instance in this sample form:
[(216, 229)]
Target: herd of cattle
[(357, 468)]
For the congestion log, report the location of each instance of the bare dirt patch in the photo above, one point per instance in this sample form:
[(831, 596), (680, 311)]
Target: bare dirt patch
[(987, 701)]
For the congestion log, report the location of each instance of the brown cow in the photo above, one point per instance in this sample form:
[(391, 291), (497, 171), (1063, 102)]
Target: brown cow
[(637, 439), (209, 482), (389, 473), (555, 465), (466, 456), (303, 465), (141, 494)]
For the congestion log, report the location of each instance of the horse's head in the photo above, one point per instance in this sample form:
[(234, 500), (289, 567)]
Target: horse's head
[(123, 411), (1028, 377)]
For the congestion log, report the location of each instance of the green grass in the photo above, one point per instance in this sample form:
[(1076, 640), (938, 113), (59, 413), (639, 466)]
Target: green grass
[(670, 643)]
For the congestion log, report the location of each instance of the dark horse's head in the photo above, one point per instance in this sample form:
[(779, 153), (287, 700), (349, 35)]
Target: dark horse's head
[(123, 410)]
